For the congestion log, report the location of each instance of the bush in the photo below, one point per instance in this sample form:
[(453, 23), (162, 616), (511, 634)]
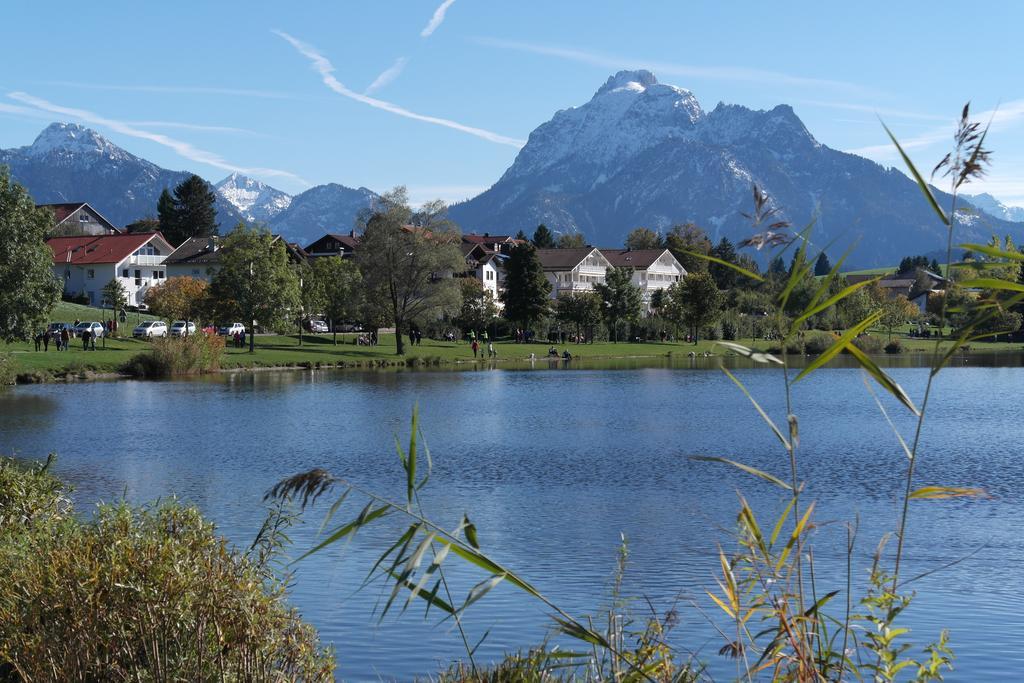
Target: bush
[(172, 356), (869, 344), (894, 347), (138, 594), (817, 342), (7, 374), (793, 346)]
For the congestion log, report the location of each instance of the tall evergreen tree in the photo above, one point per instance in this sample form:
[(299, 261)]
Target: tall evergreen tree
[(526, 287), (724, 276), (542, 238), (192, 212), (777, 268), (822, 266), (28, 289), (621, 298)]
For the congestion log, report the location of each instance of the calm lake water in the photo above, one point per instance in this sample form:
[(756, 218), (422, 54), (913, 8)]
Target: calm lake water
[(552, 467)]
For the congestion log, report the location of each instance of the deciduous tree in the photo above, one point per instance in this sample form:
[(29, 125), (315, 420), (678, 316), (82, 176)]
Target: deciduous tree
[(686, 240), (179, 298), (256, 282), (582, 311), (28, 288), (478, 308), (571, 240), (341, 283), (621, 299), (695, 302), (407, 260), (644, 238)]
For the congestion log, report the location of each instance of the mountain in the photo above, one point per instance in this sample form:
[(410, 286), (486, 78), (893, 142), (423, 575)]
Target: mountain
[(321, 209), (644, 153), (255, 200), (68, 163), (996, 208)]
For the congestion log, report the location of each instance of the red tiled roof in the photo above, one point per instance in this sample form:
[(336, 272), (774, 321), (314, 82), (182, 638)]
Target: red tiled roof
[(96, 248), (62, 211)]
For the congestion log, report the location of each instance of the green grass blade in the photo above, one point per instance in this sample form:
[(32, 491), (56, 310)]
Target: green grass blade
[(757, 406), (843, 342), (994, 252), (739, 269), (833, 300), (746, 468), (756, 356), (942, 492), (992, 283), (365, 517), (918, 178), (883, 379)]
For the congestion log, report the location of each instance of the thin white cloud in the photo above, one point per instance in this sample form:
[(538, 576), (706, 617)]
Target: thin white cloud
[(437, 19), (183, 149), (1004, 116), (889, 113), (193, 126), (173, 89), (22, 111), (326, 70), (388, 75), (717, 73)]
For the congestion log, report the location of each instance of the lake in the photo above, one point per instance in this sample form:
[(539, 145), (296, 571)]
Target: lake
[(552, 467)]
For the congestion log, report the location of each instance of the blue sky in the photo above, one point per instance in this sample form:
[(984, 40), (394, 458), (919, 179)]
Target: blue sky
[(438, 95)]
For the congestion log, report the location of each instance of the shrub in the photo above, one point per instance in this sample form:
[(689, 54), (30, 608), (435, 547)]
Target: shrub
[(139, 594), (7, 374), (817, 342), (869, 343), (172, 356), (793, 346), (894, 347)]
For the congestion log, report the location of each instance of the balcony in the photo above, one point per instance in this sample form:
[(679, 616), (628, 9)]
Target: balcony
[(138, 260)]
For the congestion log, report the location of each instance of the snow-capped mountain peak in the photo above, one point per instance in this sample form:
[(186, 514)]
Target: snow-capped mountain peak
[(71, 139), (254, 199), (994, 207), (634, 81)]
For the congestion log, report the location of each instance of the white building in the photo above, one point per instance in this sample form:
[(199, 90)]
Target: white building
[(653, 269), (573, 271), (86, 264)]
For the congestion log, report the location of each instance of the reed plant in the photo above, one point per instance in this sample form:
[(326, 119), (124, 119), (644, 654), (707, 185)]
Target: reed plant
[(140, 594), (783, 624), (178, 356)]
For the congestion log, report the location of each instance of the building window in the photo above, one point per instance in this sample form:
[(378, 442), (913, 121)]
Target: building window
[(124, 273), (90, 273), (83, 218), (138, 278)]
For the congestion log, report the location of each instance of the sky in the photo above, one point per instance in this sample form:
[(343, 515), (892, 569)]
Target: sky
[(439, 95)]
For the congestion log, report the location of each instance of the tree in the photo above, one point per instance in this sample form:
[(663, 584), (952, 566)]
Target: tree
[(341, 284), (116, 296), (179, 298), (909, 264), (521, 236), (28, 288), (582, 311), (822, 266), (191, 212), (934, 267), (256, 283), (407, 261), (571, 240), (527, 289), (312, 295), (777, 268), (724, 276), (621, 299), (896, 310), (695, 301), (542, 238), (147, 224), (478, 308), (644, 238), (684, 241)]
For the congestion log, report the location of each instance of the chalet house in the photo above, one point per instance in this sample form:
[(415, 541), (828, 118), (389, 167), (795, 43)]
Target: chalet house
[(85, 264), (334, 244), (486, 265), (78, 218), (653, 269), (489, 242), (573, 271), (197, 257)]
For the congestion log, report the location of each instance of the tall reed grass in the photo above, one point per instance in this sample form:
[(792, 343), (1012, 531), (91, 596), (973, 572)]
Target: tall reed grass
[(176, 356), (784, 625)]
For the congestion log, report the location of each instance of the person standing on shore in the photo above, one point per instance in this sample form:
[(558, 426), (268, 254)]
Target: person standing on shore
[(474, 346), (65, 339), (85, 339), (46, 340), (491, 353)]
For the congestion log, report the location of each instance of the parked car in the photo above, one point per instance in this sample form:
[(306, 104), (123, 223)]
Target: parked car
[(55, 328), (350, 327), (96, 328), (179, 329), (150, 328), (317, 326), (230, 330)]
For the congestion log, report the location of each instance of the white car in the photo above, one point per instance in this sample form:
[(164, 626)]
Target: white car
[(317, 326), (96, 328), (231, 330), (178, 329), (150, 328)]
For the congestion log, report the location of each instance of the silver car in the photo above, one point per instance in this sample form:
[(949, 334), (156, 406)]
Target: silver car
[(150, 328)]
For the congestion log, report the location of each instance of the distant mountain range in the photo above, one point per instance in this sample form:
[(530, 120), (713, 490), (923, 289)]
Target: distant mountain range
[(68, 162), (639, 153)]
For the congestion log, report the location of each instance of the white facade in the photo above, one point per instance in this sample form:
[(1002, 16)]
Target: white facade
[(137, 272), (579, 278), (664, 272)]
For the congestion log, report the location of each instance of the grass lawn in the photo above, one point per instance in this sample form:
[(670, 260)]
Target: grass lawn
[(67, 312)]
